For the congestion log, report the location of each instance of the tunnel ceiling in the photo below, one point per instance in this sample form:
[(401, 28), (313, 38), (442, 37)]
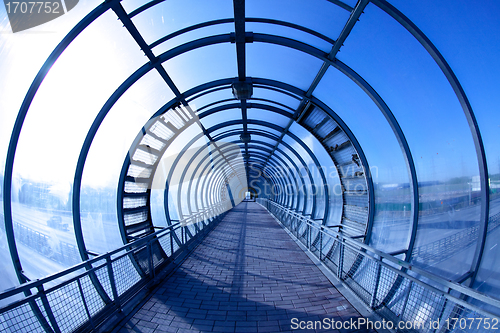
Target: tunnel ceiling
[(149, 114)]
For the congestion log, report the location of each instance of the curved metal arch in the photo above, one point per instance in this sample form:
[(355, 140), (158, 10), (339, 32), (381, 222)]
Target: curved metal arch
[(432, 50), (471, 120), (277, 167), (223, 135), (270, 158), (16, 131), (216, 178), (247, 19), (195, 171), (170, 174), (225, 154), (249, 106), (181, 180), (215, 162), (279, 129), (200, 109), (267, 150), (155, 2), (290, 160), (268, 84), (272, 175), (410, 164)]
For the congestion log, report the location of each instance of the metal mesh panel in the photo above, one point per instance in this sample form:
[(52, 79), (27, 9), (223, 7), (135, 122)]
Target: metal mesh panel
[(359, 274), (178, 232), (162, 131), (92, 297), (356, 214), (68, 308), (134, 218), (349, 169), (165, 244), (103, 277), (139, 171), (356, 198), (131, 187), (125, 274), (142, 156), (20, 319), (192, 229), (324, 130), (173, 118), (134, 202), (148, 140), (386, 283)]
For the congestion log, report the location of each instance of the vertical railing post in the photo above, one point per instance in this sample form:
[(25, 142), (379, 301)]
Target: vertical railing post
[(183, 235), (171, 241), (308, 235), (112, 282), (377, 281), (321, 243), (48, 309), (341, 259), (405, 303), (85, 303), (150, 259)]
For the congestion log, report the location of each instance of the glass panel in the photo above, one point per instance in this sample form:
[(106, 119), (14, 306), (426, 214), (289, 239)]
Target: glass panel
[(53, 134), (160, 178), (305, 191), (297, 193), (223, 130), (106, 156), (169, 16), (274, 29), (276, 62), (445, 156), (264, 129), (206, 99), (202, 65), (263, 138), (388, 168), (21, 56), (321, 16), (182, 200), (269, 116), (221, 117), (316, 191), (276, 96), (329, 170), (214, 30)]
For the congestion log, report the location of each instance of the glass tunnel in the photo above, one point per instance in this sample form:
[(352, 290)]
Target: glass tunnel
[(129, 128)]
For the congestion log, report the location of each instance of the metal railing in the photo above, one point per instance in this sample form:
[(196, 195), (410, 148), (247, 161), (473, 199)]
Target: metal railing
[(408, 298), (73, 300)]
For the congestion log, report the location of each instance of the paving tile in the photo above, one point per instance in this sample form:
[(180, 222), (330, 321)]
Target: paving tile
[(247, 275)]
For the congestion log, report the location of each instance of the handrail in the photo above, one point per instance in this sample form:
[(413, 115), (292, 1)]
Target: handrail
[(398, 269), (68, 286)]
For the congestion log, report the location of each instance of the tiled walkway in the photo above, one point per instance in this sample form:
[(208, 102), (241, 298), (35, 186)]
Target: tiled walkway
[(248, 275)]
